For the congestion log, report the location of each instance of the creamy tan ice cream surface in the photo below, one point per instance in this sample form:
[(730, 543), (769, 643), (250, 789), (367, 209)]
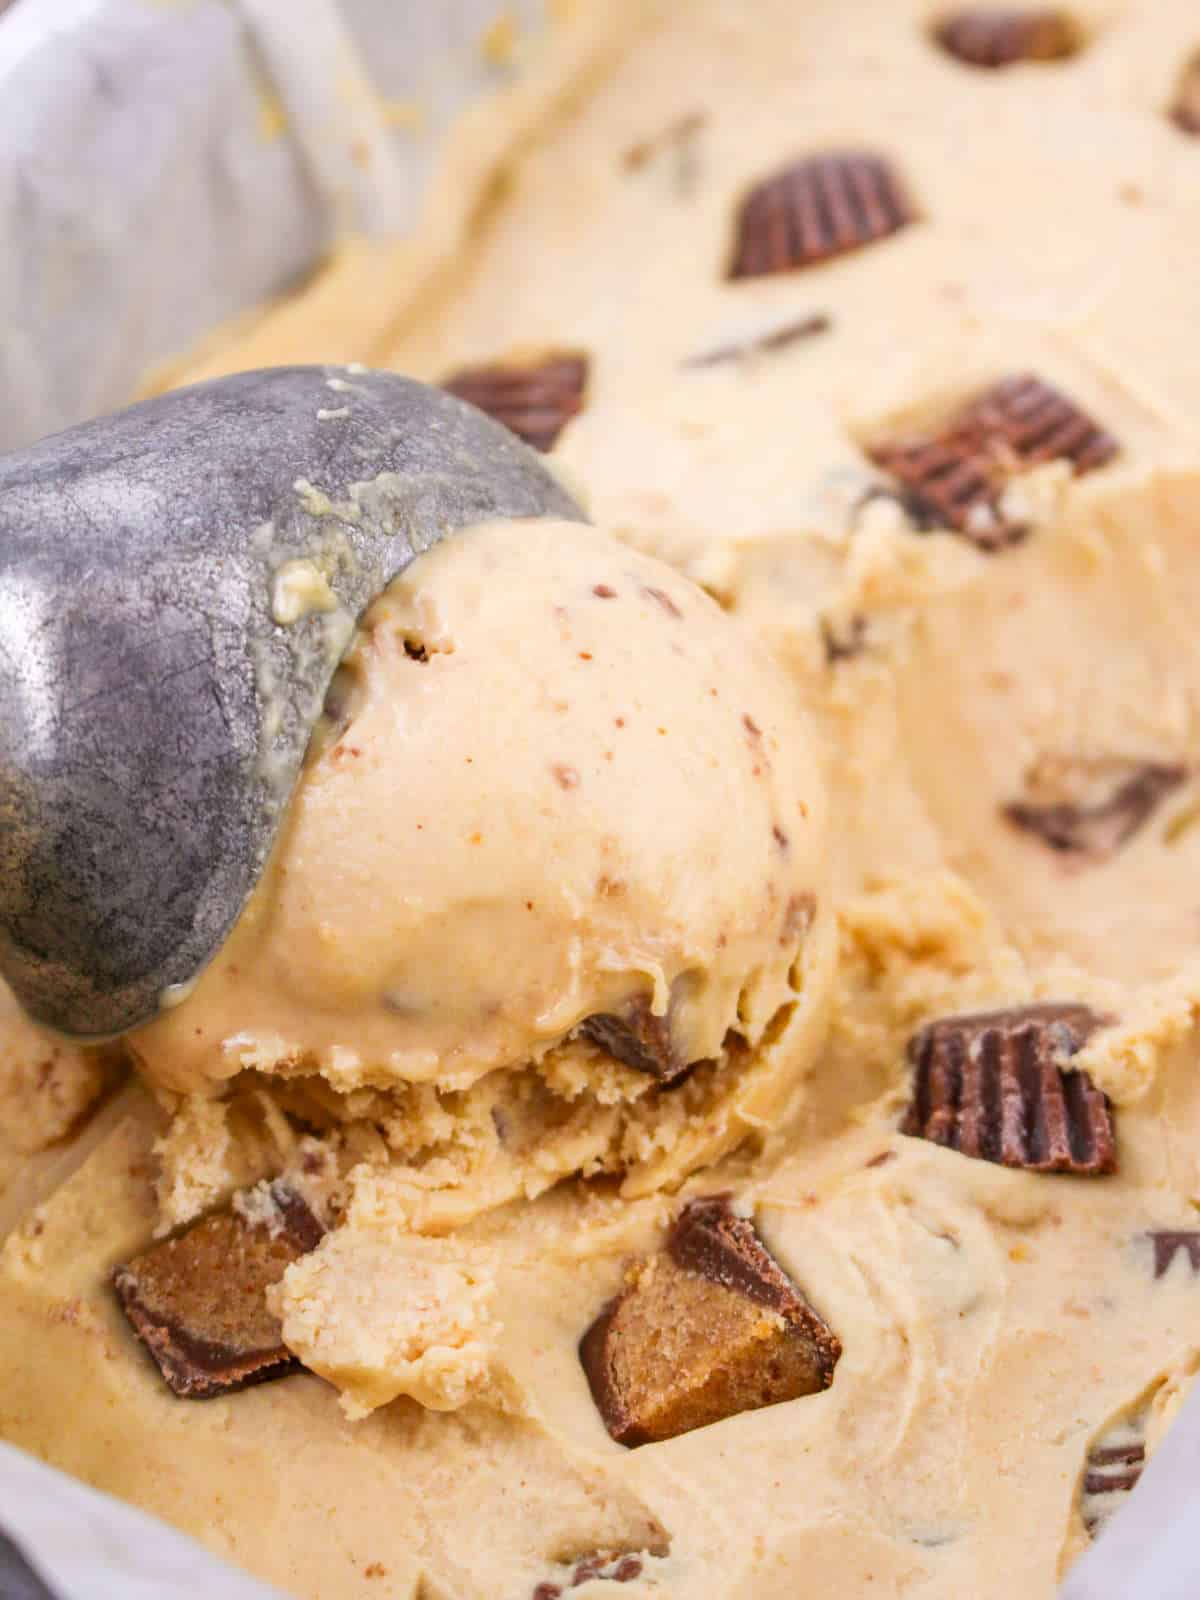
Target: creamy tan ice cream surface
[(569, 785), (994, 672)]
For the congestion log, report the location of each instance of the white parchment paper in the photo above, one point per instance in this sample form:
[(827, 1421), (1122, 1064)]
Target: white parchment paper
[(82, 1545), (165, 164)]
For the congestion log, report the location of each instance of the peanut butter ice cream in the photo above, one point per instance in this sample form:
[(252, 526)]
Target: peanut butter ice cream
[(557, 867), (639, 1254)]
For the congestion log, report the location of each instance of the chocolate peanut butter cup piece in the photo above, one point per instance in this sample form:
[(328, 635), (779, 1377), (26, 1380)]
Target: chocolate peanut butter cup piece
[(816, 209), (954, 478), (592, 1569), (1171, 1242), (198, 1301), (707, 1328), (997, 1085), (999, 36), (1114, 1464), (949, 482), (535, 400), (637, 1038), (1037, 423), (1098, 827), (1184, 110)]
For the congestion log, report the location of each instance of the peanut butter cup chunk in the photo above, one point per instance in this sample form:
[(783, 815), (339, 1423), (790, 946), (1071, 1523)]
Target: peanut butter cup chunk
[(997, 1085), (1184, 110), (593, 1569), (816, 209), (949, 482), (1097, 820), (1115, 1463), (637, 1038), (535, 400), (1171, 1242), (198, 1301), (1037, 423), (954, 478), (709, 1327), (1000, 36)]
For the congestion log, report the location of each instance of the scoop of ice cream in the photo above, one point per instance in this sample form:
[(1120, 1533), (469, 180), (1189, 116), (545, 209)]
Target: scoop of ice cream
[(562, 796)]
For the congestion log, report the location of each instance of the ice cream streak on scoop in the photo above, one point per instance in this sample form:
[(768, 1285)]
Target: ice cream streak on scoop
[(563, 785)]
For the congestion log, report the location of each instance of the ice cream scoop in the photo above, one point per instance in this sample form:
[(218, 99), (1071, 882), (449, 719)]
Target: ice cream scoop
[(553, 894), (562, 787), (177, 585)]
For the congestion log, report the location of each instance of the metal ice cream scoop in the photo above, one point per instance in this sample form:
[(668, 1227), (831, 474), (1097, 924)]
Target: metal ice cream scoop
[(177, 585)]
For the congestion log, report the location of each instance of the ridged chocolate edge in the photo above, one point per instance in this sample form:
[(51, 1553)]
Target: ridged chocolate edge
[(535, 402), (816, 210), (594, 1359), (196, 1369), (1039, 1116), (710, 1239), (202, 1369)]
